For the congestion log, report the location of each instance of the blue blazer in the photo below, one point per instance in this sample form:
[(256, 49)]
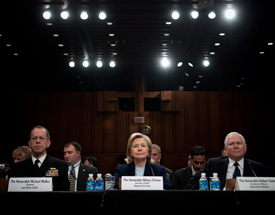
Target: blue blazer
[(129, 170)]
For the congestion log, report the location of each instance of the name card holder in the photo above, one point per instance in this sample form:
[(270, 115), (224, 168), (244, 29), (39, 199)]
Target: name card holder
[(142, 183), (33, 184), (255, 183)]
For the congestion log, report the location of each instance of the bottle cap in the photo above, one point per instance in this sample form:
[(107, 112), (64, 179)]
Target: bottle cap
[(98, 174), (202, 174), (215, 174), (91, 175)]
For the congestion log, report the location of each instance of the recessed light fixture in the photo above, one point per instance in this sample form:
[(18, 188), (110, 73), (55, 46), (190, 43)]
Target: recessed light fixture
[(194, 14), (47, 15), (179, 64), (56, 35), (111, 35), (72, 64), (206, 63), (270, 44), (99, 64), (212, 15), (113, 44), (64, 15), (60, 45), (84, 15), (217, 44), (166, 34), (261, 52), (212, 53), (112, 64), (175, 15), (230, 13), (102, 15), (190, 64), (109, 23), (168, 23), (85, 63), (222, 34)]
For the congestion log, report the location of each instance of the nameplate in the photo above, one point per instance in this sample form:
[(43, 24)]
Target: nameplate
[(142, 183), (255, 183), (33, 184)]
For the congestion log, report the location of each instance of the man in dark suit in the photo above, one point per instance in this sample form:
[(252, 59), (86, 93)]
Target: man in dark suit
[(40, 164), (235, 165), (198, 161), (78, 173), (156, 156)]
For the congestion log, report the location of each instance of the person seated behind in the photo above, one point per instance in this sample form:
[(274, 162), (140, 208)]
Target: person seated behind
[(198, 160), (155, 158), (78, 173), (91, 161), (235, 165), (138, 151), (21, 153)]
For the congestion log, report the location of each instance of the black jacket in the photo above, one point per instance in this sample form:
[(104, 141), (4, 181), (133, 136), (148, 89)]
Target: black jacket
[(26, 168), (220, 165)]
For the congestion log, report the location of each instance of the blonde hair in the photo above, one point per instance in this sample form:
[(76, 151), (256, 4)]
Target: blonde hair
[(129, 159), (22, 151)]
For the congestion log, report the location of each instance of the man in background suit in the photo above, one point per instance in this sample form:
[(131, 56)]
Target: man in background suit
[(78, 173), (40, 164), (235, 165), (155, 158), (198, 160)]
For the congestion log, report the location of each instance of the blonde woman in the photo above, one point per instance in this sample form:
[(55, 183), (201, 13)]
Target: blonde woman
[(138, 152)]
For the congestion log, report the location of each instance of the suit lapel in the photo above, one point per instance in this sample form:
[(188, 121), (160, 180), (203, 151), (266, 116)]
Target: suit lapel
[(247, 169), (131, 169), (147, 170), (28, 167), (46, 165), (224, 166), (81, 174)]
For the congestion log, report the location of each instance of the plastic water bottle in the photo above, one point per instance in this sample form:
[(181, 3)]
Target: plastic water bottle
[(203, 183), (90, 183), (215, 182), (99, 182)]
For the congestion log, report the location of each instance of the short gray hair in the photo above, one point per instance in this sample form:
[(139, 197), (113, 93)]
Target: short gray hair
[(233, 133)]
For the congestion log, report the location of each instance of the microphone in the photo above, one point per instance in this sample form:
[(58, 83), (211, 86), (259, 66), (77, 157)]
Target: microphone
[(252, 169)]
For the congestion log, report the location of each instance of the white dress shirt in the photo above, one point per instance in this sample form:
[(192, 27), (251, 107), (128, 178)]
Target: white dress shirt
[(231, 168), (41, 159)]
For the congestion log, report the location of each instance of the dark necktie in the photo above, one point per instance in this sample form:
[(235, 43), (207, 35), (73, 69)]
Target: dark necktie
[(72, 179), (36, 167), (237, 172)]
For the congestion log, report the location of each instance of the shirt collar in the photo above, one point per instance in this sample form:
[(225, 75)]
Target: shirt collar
[(41, 159), (76, 165), (240, 162)]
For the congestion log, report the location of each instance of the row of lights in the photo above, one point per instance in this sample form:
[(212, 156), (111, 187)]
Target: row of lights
[(228, 13), (165, 63), (65, 15), (86, 64)]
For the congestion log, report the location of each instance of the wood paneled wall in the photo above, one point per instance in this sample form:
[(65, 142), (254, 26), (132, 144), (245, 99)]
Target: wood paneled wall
[(204, 119)]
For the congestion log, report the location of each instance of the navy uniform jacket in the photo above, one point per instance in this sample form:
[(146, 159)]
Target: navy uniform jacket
[(25, 168), (129, 170), (220, 165)]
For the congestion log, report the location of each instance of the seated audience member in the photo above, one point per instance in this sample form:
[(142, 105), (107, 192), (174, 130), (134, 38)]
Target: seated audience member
[(224, 153), (235, 165), (198, 160), (138, 151), (91, 161), (155, 159), (189, 160), (40, 164), (21, 153), (78, 173)]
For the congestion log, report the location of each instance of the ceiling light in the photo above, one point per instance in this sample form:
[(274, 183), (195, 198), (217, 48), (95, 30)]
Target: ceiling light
[(212, 53), (221, 34), (64, 15), (112, 64), (72, 64), (175, 15), (179, 64), (111, 35), (109, 23), (165, 62), (206, 63), (102, 16), (168, 23), (261, 52), (217, 44), (190, 64), (212, 15), (187, 74), (56, 35), (85, 63), (99, 64), (270, 44), (166, 34), (84, 15), (197, 82), (230, 13), (47, 15), (60, 45), (195, 14)]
